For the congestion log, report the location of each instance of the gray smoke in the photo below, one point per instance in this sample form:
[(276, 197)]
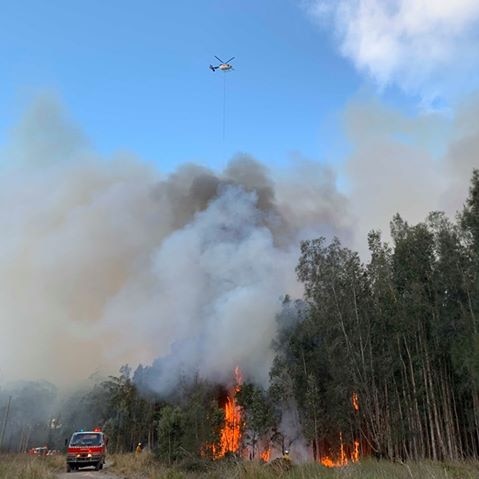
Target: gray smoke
[(107, 261), (462, 155), (407, 164)]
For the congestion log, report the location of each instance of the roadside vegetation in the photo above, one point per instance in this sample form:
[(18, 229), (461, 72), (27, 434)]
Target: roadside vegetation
[(147, 466), (21, 466)]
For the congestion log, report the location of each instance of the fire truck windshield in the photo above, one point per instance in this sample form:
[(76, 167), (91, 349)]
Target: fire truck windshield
[(85, 439)]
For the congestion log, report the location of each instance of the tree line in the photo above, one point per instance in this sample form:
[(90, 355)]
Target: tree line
[(399, 333)]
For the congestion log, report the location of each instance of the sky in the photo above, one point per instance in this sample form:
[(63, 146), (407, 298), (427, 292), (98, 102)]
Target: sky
[(135, 77), (338, 114)]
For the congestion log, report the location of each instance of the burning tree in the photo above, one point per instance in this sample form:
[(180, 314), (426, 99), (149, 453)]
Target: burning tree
[(231, 429), (258, 420), (400, 332), (316, 366), (231, 426), (195, 420), (248, 419)]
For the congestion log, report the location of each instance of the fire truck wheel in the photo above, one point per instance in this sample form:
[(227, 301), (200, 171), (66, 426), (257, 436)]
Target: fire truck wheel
[(98, 466), (69, 469)]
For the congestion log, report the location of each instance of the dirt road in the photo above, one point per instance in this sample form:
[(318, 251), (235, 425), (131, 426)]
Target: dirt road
[(89, 473)]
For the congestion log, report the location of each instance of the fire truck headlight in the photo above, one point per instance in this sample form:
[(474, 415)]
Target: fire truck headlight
[(78, 455), (89, 455)]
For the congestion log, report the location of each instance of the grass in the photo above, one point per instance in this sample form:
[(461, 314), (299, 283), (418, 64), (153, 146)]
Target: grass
[(145, 467), (135, 466), (21, 466)]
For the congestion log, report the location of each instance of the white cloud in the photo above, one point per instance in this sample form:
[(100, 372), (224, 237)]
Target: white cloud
[(423, 46)]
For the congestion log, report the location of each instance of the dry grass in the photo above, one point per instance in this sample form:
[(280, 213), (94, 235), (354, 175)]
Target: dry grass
[(136, 466), (146, 467), (21, 466)]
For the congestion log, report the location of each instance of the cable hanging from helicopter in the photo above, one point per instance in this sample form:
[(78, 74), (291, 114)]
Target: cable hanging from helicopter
[(224, 66)]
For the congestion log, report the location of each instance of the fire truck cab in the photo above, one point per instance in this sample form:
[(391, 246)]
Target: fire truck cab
[(86, 448)]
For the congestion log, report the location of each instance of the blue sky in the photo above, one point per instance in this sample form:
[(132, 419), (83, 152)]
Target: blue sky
[(134, 75)]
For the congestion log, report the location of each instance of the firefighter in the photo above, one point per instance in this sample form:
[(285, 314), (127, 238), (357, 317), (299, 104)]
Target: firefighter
[(139, 448), (286, 459)]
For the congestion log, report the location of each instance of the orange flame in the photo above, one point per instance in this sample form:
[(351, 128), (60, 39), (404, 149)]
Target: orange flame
[(355, 453), (266, 455), (342, 458), (328, 462), (238, 378), (230, 437), (230, 433), (355, 401)]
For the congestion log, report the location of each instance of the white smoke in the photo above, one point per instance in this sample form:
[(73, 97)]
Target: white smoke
[(410, 165), (217, 286), (105, 262)]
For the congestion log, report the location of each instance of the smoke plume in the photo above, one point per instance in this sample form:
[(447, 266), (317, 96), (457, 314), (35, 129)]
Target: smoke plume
[(107, 261)]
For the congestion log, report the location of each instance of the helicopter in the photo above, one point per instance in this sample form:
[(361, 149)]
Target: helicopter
[(223, 66)]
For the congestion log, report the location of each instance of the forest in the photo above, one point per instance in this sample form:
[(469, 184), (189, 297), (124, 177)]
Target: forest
[(379, 358)]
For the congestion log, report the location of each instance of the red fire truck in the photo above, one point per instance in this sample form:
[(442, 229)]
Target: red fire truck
[(86, 448)]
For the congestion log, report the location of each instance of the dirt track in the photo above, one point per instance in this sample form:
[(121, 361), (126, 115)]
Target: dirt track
[(89, 473)]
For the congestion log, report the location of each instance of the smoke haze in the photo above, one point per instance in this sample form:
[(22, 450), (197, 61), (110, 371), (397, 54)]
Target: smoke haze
[(407, 164), (107, 261), (104, 262)]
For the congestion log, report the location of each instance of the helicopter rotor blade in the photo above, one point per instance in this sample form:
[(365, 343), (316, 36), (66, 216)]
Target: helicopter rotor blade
[(219, 59), (232, 58)]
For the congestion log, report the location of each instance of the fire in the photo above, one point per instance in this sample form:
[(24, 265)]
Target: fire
[(266, 455), (343, 458), (355, 453), (328, 462), (238, 379), (230, 433), (355, 401), (230, 437)]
